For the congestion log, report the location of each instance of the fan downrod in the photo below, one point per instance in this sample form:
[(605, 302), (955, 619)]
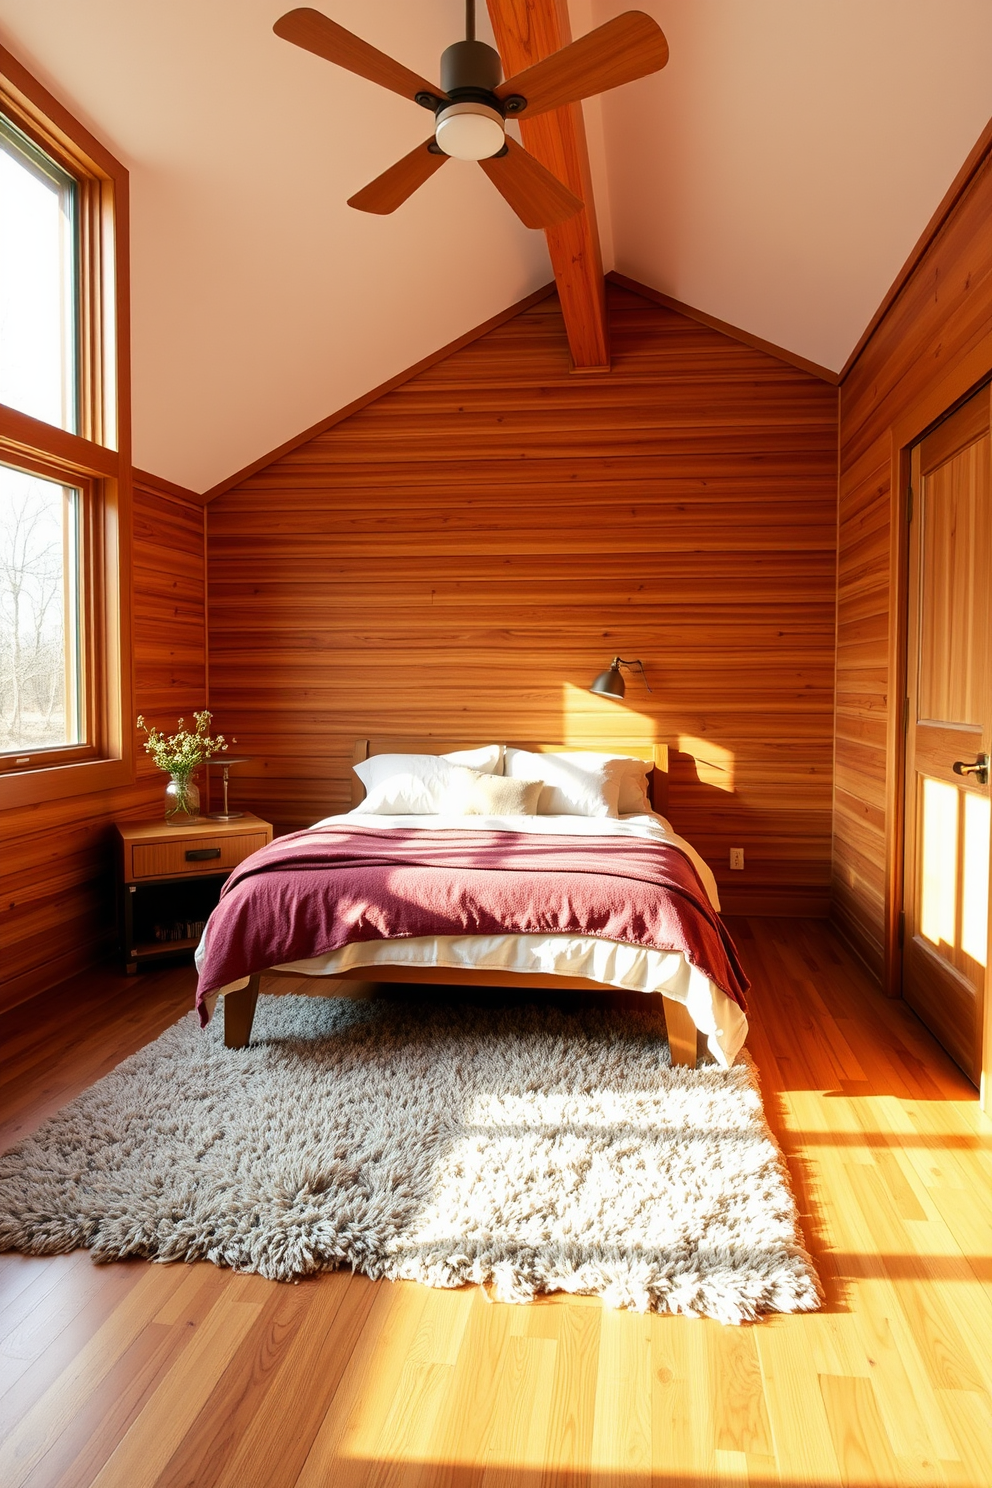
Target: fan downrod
[(469, 122)]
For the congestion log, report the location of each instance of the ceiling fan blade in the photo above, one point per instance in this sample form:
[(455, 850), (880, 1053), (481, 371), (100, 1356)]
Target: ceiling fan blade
[(391, 189), (317, 33), (628, 47), (538, 198)]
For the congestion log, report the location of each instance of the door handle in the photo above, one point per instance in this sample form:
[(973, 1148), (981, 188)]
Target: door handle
[(979, 768)]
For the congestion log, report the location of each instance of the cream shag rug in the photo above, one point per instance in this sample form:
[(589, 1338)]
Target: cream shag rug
[(527, 1147)]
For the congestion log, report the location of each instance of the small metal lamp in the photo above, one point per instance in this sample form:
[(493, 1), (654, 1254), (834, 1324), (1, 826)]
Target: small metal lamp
[(611, 684), (225, 763)]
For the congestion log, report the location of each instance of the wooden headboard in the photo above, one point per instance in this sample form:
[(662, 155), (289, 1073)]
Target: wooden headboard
[(656, 753)]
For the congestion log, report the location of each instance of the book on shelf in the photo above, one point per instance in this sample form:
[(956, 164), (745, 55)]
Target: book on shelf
[(180, 930)]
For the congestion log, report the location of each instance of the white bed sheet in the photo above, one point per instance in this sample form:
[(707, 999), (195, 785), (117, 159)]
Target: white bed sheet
[(717, 1016)]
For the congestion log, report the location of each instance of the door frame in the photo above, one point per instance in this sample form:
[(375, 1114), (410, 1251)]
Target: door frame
[(926, 983), (964, 380)]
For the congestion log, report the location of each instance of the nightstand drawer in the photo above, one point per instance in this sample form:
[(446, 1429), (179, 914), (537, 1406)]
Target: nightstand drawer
[(193, 855)]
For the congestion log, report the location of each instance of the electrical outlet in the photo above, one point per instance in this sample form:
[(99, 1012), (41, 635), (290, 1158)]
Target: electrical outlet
[(737, 857)]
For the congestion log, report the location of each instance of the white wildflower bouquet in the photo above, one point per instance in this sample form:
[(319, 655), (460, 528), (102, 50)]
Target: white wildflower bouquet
[(183, 752)]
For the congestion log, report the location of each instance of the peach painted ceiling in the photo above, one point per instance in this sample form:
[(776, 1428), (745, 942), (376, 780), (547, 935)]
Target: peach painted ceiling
[(776, 175)]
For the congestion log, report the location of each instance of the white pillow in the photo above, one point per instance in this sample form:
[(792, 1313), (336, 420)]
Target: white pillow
[(574, 784), (401, 795), (471, 793), (633, 780), (413, 784), (634, 796)]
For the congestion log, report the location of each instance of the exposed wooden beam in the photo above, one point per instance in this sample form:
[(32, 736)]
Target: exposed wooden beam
[(527, 31)]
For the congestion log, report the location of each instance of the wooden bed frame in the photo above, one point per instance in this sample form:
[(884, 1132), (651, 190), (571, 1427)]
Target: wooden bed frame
[(239, 1007)]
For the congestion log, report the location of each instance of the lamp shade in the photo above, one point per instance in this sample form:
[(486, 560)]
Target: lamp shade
[(610, 683)]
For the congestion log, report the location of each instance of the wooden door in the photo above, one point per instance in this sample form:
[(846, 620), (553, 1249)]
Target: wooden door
[(949, 731)]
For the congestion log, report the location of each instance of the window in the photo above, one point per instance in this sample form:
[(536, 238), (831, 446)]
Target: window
[(39, 257), (65, 725)]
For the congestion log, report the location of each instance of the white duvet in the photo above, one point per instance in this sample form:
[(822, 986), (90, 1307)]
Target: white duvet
[(716, 1015)]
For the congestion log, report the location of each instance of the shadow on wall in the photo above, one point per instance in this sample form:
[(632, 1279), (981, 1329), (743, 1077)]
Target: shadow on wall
[(714, 762), (786, 857), (719, 798), (703, 803)]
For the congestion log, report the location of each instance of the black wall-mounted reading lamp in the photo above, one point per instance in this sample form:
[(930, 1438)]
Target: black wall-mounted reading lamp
[(611, 684)]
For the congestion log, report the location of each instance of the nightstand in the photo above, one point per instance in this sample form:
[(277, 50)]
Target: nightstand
[(170, 878)]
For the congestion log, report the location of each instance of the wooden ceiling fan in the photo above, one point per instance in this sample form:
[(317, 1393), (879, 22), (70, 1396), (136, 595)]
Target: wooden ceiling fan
[(472, 105)]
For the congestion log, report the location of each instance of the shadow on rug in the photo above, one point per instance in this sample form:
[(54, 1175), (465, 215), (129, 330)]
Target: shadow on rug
[(532, 1148)]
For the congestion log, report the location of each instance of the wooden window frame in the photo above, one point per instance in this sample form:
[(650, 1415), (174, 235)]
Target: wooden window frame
[(97, 459)]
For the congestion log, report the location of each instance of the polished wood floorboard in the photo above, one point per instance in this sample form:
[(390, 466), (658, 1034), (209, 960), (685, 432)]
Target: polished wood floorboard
[(135, 1375)]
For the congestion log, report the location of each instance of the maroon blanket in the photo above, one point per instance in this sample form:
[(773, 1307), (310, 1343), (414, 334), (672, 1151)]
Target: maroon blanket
[(328, 887)]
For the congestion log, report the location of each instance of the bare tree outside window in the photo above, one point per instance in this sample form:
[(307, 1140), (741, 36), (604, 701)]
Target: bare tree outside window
[(38, 623)]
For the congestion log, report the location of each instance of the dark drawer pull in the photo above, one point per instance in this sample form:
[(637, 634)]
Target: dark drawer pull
[(201, 854)]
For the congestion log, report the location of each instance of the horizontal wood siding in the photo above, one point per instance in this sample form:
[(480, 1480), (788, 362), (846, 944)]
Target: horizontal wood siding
[(935, 324), (461, 558), (944, 310), (862, 703), (56, 870)]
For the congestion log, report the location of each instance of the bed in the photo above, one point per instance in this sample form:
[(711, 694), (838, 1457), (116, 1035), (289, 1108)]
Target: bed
[(588, 878)]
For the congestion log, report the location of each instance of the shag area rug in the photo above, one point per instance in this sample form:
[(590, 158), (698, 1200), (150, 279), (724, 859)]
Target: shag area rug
[(530, 1148)]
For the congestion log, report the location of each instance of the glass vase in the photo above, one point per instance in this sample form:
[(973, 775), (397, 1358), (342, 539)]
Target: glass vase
[(182, 801)]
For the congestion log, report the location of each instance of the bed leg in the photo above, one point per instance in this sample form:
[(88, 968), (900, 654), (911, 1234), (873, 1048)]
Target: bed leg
[(681, 1033), (239, 1012)]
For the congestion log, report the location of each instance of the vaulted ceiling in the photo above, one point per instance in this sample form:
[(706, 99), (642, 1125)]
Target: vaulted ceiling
[(776, 175)]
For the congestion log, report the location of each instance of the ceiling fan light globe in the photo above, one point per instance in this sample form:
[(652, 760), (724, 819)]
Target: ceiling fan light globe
[(469, 131)]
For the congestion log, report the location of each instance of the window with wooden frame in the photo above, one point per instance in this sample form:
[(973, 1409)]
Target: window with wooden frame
[(65, 688)]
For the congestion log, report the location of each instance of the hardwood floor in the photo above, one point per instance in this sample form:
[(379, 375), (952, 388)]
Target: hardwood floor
[(132, 1375)]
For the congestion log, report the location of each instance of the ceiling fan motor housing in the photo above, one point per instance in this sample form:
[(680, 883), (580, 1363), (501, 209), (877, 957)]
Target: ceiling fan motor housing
[(470, 64), (469, 124)]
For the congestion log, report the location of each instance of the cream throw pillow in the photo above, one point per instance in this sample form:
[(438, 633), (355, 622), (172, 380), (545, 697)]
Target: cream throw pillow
[(471, 793)]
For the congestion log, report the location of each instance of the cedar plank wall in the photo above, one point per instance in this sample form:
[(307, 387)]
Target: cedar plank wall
[(462, 556), (935, 323), (56, 879)]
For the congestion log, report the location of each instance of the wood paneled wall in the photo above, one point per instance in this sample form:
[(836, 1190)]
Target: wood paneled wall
[(931, 344), (56, 869), (462, 556)]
